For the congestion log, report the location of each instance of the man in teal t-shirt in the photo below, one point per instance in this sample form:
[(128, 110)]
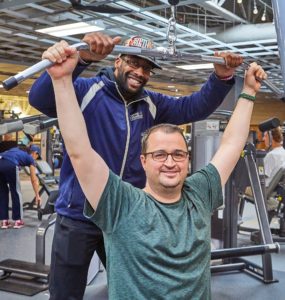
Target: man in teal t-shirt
[(154, 248), (157, 239)]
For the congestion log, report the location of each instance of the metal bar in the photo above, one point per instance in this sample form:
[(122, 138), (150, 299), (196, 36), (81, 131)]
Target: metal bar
[(228, 267), (160, 52), (15, 126), (39, 126), (258, 272), (267, 83), (258, 195), (41, 238), (278, 7), (245, 251)]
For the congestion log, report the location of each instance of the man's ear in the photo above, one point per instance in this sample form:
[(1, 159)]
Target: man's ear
[(143, 159), (117, 62)]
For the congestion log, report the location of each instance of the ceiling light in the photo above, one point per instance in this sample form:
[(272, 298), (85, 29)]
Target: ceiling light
[(239, 1), (72, 29), (255, 10), (263, 18), (17, 110), (196, 67)]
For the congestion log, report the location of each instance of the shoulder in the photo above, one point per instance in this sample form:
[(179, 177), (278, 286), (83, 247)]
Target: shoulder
[(204, 181), (207, 172), (205, 185)]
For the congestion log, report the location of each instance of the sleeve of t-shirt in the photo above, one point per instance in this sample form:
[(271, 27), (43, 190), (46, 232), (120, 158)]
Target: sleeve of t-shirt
[(206, 183), (268, 163), (30, 160), (116, 204)]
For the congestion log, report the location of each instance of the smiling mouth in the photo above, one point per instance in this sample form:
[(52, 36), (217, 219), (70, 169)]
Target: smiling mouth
[(170, 173), (133, 81)]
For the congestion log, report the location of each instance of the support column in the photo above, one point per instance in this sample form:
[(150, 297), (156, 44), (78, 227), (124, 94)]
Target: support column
[(279, 21)]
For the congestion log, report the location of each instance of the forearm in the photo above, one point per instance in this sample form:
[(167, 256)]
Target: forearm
[(236, 133), (233, 140), (35, 185), (211, 95), (237, 130)]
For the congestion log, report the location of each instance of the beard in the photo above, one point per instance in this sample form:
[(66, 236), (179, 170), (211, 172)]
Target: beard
[(122, 81)]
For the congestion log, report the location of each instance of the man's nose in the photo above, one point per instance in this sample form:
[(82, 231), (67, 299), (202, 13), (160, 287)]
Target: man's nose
[(169, 160)]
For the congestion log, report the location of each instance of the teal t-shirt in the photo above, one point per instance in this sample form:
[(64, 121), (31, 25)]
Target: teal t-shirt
[(156, 250)]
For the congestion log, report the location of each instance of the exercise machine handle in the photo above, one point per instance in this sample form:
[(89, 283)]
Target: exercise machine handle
[(162, 53)]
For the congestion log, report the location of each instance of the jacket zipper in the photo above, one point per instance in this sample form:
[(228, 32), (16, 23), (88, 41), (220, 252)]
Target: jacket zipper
[(128, 129), (128, 133)]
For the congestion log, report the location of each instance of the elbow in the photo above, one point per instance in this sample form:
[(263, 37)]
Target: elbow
[(74, 155)]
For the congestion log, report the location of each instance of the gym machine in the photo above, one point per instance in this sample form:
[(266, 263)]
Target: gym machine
[(45, 174), (206, 137), (276, 185), (15, 125), (49, 185), (39, 125), (28, 278), (21, 277)]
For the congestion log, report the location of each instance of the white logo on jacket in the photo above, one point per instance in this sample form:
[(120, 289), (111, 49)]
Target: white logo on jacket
[(136, 116)]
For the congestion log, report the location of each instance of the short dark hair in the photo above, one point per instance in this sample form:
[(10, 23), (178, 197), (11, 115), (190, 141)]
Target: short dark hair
[(166, 128)]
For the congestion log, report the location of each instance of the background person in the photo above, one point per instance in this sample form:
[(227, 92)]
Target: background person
[(276, 155), (10, 163), (157, 239), (117, 110), (273, 160)]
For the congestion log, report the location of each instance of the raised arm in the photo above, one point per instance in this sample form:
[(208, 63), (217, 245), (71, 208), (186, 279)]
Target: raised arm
[(90, 169), (41, 95), (236, 133)]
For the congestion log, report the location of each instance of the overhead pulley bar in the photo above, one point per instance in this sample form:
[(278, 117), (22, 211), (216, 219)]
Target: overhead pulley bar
[(160, 53)]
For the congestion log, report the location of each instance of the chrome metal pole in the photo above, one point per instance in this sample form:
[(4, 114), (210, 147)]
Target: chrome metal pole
[(161, 53)]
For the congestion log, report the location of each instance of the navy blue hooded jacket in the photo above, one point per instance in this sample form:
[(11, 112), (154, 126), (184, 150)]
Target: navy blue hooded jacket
[(115, 127)]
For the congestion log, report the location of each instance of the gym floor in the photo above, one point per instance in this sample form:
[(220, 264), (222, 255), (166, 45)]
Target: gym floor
[(20, 244)]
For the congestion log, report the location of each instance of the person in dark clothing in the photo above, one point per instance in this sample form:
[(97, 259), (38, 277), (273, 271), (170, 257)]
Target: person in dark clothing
[(117, 110), (10, 163)]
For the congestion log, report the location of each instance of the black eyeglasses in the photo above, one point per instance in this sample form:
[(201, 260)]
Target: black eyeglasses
[(162, 156), (136, 63)]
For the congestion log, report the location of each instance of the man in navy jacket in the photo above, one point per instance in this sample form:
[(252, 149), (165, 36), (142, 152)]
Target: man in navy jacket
[(117, 110)]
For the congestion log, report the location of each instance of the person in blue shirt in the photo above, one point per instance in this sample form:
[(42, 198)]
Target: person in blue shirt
[(10, 163), (157, 239), (117, 109)]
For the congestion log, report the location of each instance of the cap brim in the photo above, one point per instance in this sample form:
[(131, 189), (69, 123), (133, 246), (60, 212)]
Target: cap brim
[(156, 65)]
